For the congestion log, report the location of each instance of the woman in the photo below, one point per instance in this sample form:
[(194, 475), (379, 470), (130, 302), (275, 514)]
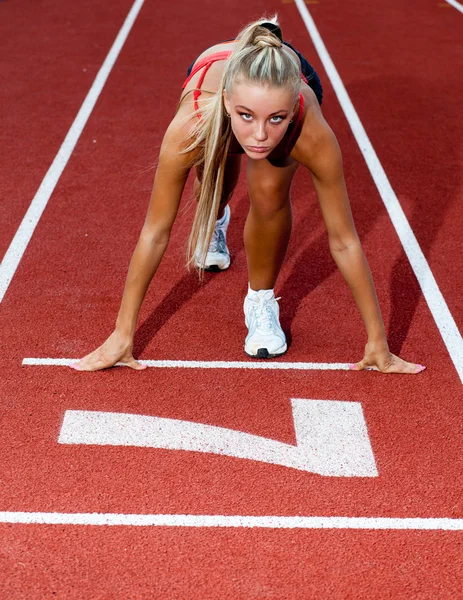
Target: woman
[(258, 102)]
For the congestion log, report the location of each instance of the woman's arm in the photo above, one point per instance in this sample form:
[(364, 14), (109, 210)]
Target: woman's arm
[(318, 150), (169, 182)]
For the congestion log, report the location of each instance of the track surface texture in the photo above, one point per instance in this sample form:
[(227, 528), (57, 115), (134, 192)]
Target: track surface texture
[(401, 65)]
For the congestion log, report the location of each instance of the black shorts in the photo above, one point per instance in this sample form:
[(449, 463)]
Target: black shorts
[(310, 74), (307, 70)]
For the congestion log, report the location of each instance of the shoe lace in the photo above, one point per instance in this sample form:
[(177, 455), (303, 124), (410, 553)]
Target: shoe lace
[(217, 241), (264, 315)]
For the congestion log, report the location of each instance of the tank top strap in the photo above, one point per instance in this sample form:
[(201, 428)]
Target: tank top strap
[(205, 63)]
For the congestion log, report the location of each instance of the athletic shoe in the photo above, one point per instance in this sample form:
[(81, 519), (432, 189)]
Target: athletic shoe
[(265, 338), (218, 256)]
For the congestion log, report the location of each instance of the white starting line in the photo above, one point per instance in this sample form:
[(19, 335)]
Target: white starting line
[(236, 521), (202, 364)]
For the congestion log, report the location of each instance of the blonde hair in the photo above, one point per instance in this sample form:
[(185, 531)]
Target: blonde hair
[(259, 57)]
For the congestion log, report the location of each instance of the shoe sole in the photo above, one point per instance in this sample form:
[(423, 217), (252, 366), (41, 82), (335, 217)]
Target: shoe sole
[(263, 353), (215, 268)]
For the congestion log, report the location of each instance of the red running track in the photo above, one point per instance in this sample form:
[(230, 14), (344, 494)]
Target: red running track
[(66, 291)]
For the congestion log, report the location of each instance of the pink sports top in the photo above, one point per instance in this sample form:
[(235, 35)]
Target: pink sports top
[(205, 64)]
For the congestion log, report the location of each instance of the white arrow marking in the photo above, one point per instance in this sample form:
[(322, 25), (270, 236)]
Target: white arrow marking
[(331, 437)]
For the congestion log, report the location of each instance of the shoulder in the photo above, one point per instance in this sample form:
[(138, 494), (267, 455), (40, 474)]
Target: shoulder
[(219, 47), (178, 136), (316, 146)]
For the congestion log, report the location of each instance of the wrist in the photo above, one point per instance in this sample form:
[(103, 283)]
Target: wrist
[(125, 329), (377, 344), (376, 334)]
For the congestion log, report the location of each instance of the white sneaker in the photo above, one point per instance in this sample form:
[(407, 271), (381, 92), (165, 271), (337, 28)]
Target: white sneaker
[(265, 338), (218, 256)]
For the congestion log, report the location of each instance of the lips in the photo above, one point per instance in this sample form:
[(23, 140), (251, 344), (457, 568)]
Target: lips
[(259, 149)]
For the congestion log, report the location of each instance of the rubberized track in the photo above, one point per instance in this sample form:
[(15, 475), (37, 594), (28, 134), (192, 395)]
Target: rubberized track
[(400, 65)]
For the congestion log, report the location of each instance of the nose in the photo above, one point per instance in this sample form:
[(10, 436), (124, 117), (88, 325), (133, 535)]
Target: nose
[(260, 133)]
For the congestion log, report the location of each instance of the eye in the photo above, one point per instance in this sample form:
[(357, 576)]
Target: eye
[(277, 119), (245, 116)]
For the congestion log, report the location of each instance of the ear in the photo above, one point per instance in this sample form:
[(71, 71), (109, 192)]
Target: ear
[(226, 101)]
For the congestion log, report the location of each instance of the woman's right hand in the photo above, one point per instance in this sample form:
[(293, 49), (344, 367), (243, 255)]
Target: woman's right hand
[(117, 349)]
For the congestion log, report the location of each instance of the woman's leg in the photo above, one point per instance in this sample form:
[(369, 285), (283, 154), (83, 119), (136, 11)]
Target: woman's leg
[(232, 174), (218, 256), (266, 237), (268, 225)]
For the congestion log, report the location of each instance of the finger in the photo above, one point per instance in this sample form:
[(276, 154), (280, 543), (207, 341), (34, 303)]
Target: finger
[(401, 366), (134, 364), (95, 361), (88, 365), (356, 366), (82, 363), (363, 365), (78, 364)]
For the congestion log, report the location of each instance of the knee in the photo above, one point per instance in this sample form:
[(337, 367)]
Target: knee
[(227, 192), (268, 198)]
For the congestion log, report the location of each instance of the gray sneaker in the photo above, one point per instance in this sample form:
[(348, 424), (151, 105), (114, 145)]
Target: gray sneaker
[(218, 256), (265, 338)]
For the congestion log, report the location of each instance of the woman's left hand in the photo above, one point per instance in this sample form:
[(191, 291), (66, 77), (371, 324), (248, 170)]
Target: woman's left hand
[(379, 358)]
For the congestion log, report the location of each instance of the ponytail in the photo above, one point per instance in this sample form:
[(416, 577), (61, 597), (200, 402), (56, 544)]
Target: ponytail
[(259, 57)]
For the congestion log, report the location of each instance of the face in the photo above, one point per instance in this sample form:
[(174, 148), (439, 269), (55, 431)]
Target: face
[(260, 116)]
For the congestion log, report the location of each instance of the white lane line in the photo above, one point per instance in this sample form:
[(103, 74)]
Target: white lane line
[(198, 364), (25, 231), (431, 292), (265, 522), (331, 437), (456, 5)]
